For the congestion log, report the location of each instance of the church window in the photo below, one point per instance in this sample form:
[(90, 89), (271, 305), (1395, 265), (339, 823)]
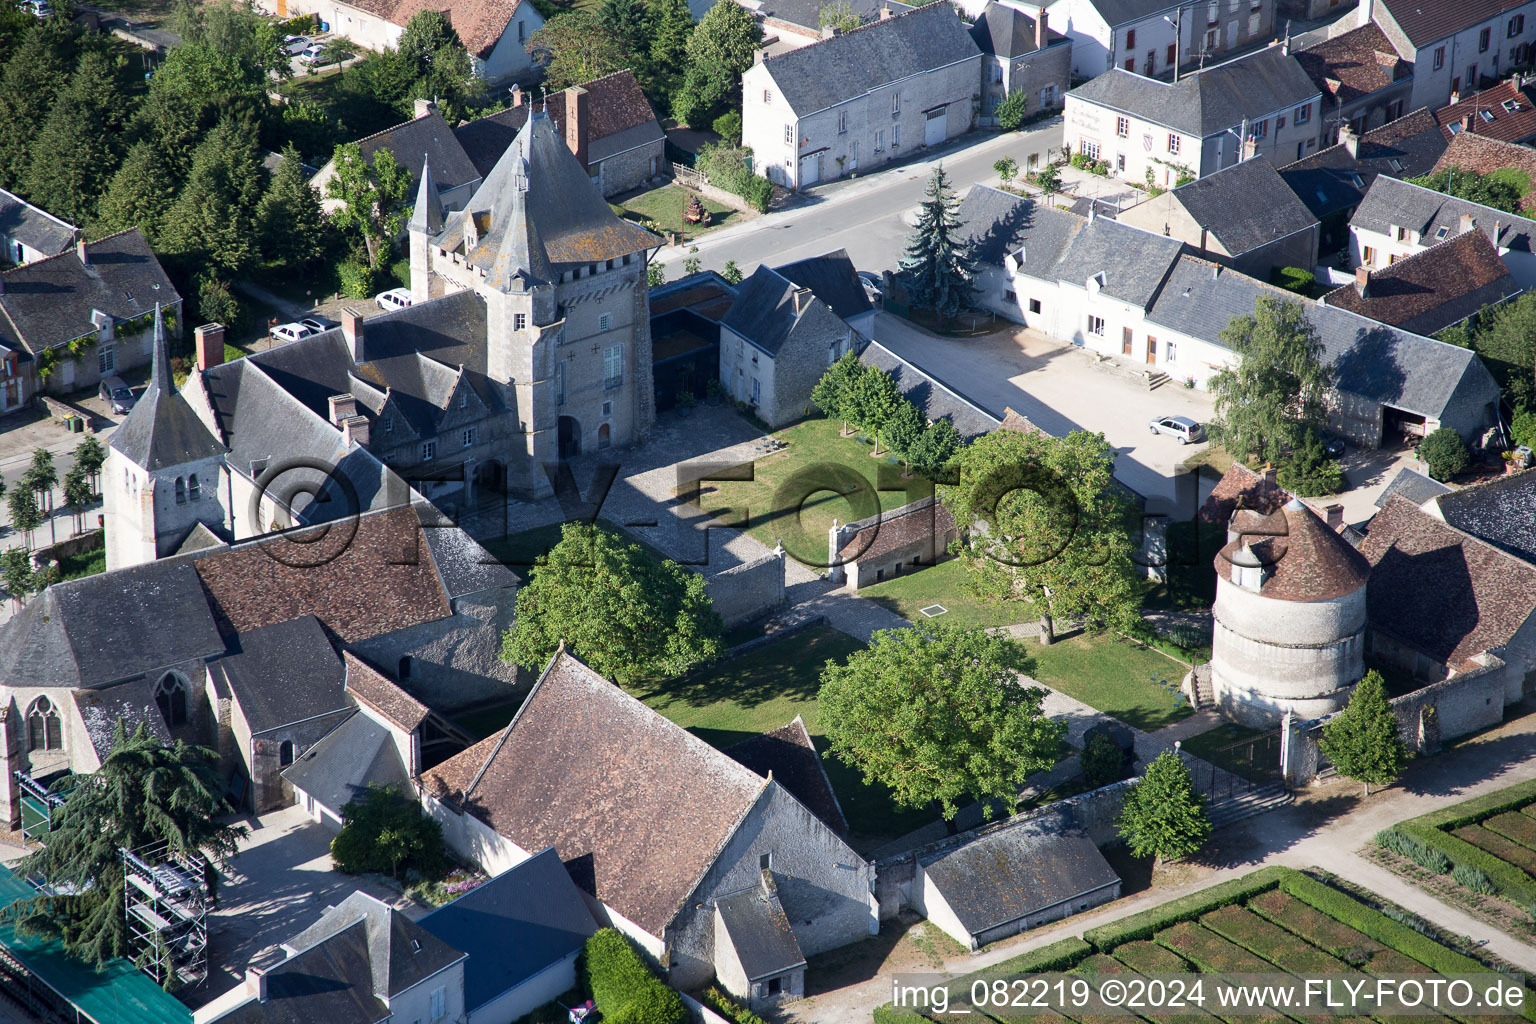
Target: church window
[(171, 698), (194, 489), (43, 730), (181, 491)]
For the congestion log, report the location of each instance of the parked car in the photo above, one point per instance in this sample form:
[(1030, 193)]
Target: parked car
[(1333, 447), (315, 326), (395, 298), (314, 53), (117, 394), (295, 45), (872, 284), (1186, 430), (292, 332)]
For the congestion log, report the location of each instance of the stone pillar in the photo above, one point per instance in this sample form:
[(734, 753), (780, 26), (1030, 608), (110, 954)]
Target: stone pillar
[(834, 570), (10, 763)]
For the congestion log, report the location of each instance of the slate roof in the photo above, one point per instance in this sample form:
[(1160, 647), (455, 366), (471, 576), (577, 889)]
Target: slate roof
[(161, 430), (1240, 487), (401, 953), (49, 302), (1123, 12), (639, 805), (1000, 224), (1480, 154), (1245, 206), (1373, 360), (1504, 112), (1440, 591), (1399, 203), (369, 686), (1210, 101), (1424, 21), (329, 981), (109, 627), (132, 704), (33, 226), (426, 139), (513, 926), (621, 119), (1432, 289), (764, 312), (932, 398), (791, 757), (831, 277), (1133, 263), (760, 933), (1354, 65), (343, 763), (834, 70), (1011, 873), (1004, 31), (1498, 511), (1307, 560), (807, 13), (1412, 485), (284, 673), (1331, 179)]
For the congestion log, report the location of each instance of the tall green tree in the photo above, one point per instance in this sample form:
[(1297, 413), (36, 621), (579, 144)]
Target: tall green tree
[(195, 88), (144, 793), (937, 714), (293, 227), (1050, 526), (903, 431), (213, 224), (1163, 815), (1363, 741), (576, 47), (79, 495), (935, 449), (236, 28), (624, 613), (91, 454), (79, 146), (668, 24), (41, 476), (17, 576), (374, 193), (1504, 337), (140, 196), (1502, 189), (1274, 395), (937, 267), (839, 14), (831, 392), (873, 399), (626, 20), (439, 62), (26, 516), (720, 48), (34, 74)]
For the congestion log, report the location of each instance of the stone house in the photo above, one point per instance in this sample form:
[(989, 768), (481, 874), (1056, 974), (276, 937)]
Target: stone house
[(1148, 37), (608, 124), (1244, 216), (1261, 104), (657, 827), (69, 320), (424, 140), (1363, 82), (775, 343), (1397, 219), (1021, 54), (832, 279), (1433, 289), (867, 551), (1455, 49), (29, 233), (494, 32), (856, 101)]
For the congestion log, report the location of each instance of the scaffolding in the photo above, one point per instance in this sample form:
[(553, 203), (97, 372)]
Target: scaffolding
[(166, 901), (37, 806)]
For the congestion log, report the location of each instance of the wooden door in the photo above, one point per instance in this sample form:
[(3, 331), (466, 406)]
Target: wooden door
[(1151, 349), (1125, 342)]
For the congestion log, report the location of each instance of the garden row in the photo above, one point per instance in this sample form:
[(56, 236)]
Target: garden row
[(1487, 844), (1273, 920)]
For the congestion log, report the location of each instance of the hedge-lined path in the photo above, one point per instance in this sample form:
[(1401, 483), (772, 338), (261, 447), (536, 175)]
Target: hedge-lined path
[(1325, 830)]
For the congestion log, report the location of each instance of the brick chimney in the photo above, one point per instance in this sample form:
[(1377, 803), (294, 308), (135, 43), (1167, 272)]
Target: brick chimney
[(354, 428), (352, 331), (1362, 280), (1466, 123), (577, 117), (1042, 30), (342, 408), (1465, 224), (1250, 147), (1335, 516), (423, 108), (208, 341), (1271, 478)]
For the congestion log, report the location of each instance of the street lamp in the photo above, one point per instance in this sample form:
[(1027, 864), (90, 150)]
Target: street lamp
[(1177, 21)]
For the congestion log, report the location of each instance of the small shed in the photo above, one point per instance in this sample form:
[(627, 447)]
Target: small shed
[(757, 956), (1008, 881)]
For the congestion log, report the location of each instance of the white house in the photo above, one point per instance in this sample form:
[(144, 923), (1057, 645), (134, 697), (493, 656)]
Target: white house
[(1455, 48), (1149, 36), (29, 233)]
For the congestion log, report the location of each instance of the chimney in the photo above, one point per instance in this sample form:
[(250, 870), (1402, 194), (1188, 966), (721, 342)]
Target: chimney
[(81, 251), (1270, 477), (885, 11), (576, 120), (352, 330), (1362, 280), (1466, 123), (423, 108), (1350, 141), (802, 300), (1335, 516), (1465, 224), (1042, 30), (1250, 147), (209, 344), (354, 428), (342, 407), (517, 95)]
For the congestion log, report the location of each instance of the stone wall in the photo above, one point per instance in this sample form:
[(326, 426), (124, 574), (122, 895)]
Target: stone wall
[(748, 591), (94, 540), (454, 662), (632, 168)]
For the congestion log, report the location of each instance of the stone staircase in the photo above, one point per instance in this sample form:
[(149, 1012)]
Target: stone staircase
[(1248, 803), (1156, 379), (1204, 696)]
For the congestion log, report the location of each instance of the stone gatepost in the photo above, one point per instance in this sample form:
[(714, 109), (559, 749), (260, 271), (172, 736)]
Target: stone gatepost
[(834, 568), (10, 764)]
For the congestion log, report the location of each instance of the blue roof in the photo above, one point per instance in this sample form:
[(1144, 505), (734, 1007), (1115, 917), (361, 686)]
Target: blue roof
[(518, 924)]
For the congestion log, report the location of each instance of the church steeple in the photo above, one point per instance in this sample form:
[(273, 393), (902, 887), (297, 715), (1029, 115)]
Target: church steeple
[(160, 379), (162, 431)]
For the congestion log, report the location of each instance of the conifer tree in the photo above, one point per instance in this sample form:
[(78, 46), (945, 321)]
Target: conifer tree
[(1363, 741), (78, 149), (669, 25), (937, 267), (140, 196), (292, 224), (33, 76), (1163, 816), (626, 20), (213, 223)]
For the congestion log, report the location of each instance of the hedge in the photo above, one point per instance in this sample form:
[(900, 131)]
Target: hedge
[(1473, 811), (1060, 955), (1186, 908), (888, 1014), (623, 986)]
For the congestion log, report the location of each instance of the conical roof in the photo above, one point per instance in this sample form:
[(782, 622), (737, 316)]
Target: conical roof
[(427, 215), (162, 430), (1307, 560)]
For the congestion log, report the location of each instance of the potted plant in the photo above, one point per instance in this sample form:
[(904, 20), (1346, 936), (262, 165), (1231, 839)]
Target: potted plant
[(714, 391), (685, 403)]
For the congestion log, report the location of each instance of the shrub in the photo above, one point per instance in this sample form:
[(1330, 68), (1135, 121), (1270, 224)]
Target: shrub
[(729, 167), (1511, 881), (216, 303), (1479, 808), (1473, 878), (1310, 471), (1061, 955), (1186, 908), (1010, 112), (1103, 760), (386, 832), (728, 126), (358, 280), (623, 986), (721, 1004), (1293, 279), (888, 1014), (1049, 179), (1444, 453), (1523, 428)]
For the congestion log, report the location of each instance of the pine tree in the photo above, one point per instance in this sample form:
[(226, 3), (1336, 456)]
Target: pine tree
[(937, 267), (140, 195), (1363, 741), (33, 77), (626, 20), (292, 224), (668, 26), (78, 149), (213, 223), (1163, 816)]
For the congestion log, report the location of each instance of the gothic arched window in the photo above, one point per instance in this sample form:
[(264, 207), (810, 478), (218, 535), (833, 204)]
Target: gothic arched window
[(181, 491), (43, 729), (171, 698), (194, 489)]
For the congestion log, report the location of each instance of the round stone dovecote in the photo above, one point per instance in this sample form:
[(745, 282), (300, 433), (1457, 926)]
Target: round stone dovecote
[(1289, 628)]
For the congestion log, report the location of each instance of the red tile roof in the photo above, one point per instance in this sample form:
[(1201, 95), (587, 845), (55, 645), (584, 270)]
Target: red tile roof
[(1434, 288), (379, 692), (479, 23), (615, 103), (1355, 64), (1240, 487), (1424, 21), (1504, 112), (1308, 561), (1479, 154)]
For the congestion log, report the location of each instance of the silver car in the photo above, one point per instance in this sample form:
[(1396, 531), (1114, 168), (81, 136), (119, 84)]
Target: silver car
[(1186, 430), (117, 394)]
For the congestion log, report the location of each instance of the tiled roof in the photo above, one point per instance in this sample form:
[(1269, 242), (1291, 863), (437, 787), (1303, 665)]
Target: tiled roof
[(330, 981), (1432, 289), (1129, 264), (807, 13), (643, 804), (1440, 591), (49, 302), (401, 953), (828, 72), (705, 293), (1435, 216), (1355, 64), (760, 933), (1504, 112), (479, 23), (33, 226), (932, 398), (885, 532), (832, 278), (1424, 21), (1332, 179), (1413, 485), (1479, 154), (1005, 31), (791, 757), (425, 139), (1498, 511), (371, 687), (1309, 562), (1240, 487), (1244, 206), (1018, 422), (130, 704), (615, 105), (1207, 102)]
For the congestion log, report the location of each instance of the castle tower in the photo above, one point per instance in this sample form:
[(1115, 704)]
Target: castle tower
[(426, 224), (163, 474), (1289, 618)]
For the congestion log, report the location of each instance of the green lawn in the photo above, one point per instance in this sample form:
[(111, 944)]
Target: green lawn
[(1114, 675), (944, 584), (664, 207), (796, 493), (87, 563)]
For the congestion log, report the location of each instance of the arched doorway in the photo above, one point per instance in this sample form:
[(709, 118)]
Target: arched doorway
[(490, 477), (570, 437), (603, 436)]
